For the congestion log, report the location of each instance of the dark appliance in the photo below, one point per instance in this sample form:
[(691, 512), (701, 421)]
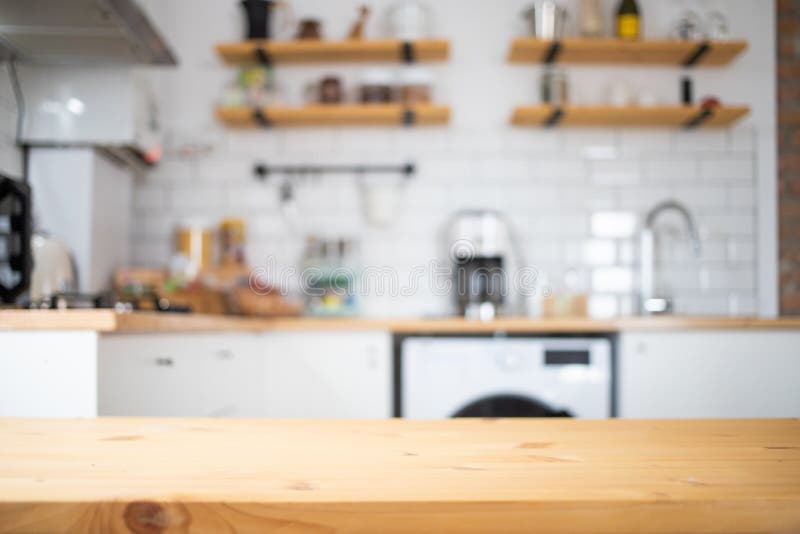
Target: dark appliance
[(15, 239)]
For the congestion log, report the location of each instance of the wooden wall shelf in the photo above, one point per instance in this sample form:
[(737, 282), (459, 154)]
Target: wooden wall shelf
[(617, 51), (334, 51), (614, 117), (337, 115)]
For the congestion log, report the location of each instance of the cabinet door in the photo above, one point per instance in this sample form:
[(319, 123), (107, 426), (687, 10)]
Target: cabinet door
[(48, 374), (183, 375), (327, 375), (710, 374)]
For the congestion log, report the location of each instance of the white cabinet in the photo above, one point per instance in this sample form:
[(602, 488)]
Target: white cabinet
[(677, 374), (184, 375), (48, 374), (275, 374), (327, 375)]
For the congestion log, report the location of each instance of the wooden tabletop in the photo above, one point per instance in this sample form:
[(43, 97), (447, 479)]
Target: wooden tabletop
[(202, 475), (109, 321)]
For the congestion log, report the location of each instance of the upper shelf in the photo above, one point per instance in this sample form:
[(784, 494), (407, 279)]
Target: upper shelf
[(612, 117), (337, 115), (310, 51), (618, 51)]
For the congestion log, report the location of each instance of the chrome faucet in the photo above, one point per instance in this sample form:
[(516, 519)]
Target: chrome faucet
[(650, 303)]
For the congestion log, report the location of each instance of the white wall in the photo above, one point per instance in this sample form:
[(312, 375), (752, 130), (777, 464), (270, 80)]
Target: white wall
[(10, 154), (550, 183)]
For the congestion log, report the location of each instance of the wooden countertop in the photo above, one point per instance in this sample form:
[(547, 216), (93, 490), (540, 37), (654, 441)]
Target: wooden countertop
[(141, 322), (181, 475)]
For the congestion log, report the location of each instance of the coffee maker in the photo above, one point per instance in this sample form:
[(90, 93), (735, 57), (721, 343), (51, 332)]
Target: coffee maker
[(481, 249)]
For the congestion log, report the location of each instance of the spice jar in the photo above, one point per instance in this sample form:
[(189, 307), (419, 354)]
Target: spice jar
[(376, 87), (231, 239), (415, 86)]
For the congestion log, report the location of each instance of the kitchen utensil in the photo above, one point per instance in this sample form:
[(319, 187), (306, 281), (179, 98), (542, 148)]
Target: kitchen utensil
[(381, 198), (309, 29), (547, 19), (53, 268), (689, 26), (554, 87), (591, 18), (15, 237), (357, 31), (259, 16), (716, 26), (409, 20)]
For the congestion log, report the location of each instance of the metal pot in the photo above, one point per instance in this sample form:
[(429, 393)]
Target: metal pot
[(547, 19)]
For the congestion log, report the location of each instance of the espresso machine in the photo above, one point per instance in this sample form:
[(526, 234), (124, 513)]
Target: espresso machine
[(482, 251)]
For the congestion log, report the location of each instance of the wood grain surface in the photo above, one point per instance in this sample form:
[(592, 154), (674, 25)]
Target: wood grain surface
[(313, 51), (626, 117), (202, 475), (618, 51), (337, 114), (150, 322)]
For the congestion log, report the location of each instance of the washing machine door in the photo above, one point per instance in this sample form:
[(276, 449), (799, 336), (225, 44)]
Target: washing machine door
[(509, 406)]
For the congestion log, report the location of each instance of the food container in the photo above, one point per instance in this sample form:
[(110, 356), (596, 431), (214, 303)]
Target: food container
[(193, 249), (415, 86), (554, 88), (231, 241), (546, 19), (377, 87)]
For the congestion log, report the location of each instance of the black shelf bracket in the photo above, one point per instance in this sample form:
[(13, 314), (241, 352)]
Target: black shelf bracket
[(262, 171), (698, 53), (407, 52), (263, 56), (261, 118), (409, 117), (554, 118), (552, 53), (699, 119)]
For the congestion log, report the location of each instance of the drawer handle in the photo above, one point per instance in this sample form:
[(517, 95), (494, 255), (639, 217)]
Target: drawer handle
[(164, 362), (225, 354)]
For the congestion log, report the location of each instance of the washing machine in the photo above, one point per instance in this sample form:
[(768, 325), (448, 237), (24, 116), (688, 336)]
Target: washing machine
[(443, 377)]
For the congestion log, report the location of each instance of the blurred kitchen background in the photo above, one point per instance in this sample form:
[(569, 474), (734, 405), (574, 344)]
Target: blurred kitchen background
[(575, 200)]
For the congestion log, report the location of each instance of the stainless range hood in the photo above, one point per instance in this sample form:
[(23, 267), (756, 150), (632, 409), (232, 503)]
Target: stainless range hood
[(80, 32)]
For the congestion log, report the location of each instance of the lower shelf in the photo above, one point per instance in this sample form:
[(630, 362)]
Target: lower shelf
[(611, 117), (336, 115)]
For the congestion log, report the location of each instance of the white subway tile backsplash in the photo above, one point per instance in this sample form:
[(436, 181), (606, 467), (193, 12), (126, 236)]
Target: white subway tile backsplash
[(615, 172), (741, 140), (729, 169), (699, 140), (613, 224), (740, 251), (598, 252), (741, 197), (671, 170), (612, 280)]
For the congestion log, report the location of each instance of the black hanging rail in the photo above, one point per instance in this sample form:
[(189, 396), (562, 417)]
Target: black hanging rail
[(262, 171)]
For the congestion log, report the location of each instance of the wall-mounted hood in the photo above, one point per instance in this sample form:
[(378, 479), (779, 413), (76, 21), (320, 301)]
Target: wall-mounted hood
[(80, 32)]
